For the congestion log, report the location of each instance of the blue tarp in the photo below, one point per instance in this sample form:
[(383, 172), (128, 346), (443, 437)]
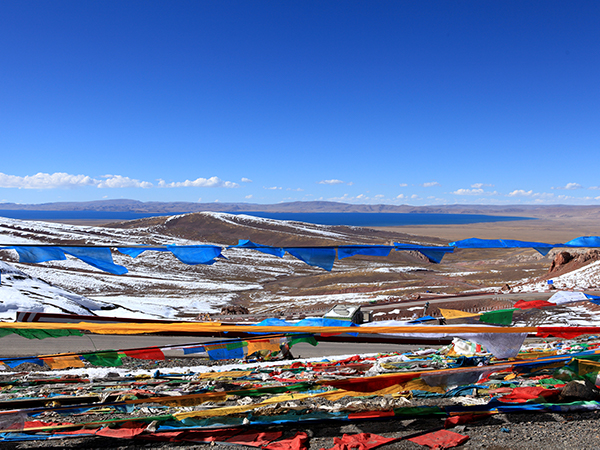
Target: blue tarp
[(134, 252), (98, 257), (34, 255), (541, 247), (12, 363), (434, 254), (195, 254), (346, 251), (584, 241), (245, 243), (308, 322), (322, 257)]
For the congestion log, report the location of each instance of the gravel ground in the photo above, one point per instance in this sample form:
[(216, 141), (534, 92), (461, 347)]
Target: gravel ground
[(501, 431), (530, 430)]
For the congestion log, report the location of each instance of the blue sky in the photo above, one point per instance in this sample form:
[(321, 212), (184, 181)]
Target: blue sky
[(396, 102)]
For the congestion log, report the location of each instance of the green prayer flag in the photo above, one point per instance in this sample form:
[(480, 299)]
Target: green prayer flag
[(293, 340), (104, 359), (38, 334), (499, 317)]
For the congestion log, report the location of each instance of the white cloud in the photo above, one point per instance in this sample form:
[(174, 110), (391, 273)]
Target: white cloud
[(350, 183), (480, 185), (248, 196), (431, 184), (331, 182), (594, 188), (468, 192), (401, 196), (295, 190), (61, 180), (46, 181), (379, 196), (521, 193), (414, 196), (273, 188), (246, 180), (118, 181), (403, 185), (569, 186), (199, 182)]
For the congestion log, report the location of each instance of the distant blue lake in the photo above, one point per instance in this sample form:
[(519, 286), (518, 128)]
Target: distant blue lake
[(352, 219), (385, 219)]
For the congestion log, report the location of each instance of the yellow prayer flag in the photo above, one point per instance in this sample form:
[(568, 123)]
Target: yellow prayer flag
[(584, 367), (272, 345), (229, 374), (456, 314)]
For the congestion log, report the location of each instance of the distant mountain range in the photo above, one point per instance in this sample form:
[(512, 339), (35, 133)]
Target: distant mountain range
[(123, 205)]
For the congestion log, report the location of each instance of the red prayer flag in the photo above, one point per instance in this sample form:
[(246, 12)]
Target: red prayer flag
[(440, 439), (362, 441), (298, 442), (146, 353)]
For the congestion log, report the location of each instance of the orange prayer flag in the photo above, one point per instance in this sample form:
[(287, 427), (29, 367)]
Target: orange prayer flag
[(63, 362)]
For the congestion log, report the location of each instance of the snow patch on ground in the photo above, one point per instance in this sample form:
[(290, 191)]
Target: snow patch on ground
[(587, 277)]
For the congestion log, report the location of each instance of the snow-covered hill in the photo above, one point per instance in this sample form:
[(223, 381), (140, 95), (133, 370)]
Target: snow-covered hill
[(160, 286), (21, 292)]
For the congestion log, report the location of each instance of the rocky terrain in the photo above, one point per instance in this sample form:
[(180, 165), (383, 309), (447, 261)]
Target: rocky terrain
[(265, 284)]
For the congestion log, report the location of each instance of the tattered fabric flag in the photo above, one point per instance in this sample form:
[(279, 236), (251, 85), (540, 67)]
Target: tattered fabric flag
[(104, 359), (499, 317), (63, 362), (196, 254), (370, 384), (502, 346), (127, 430), (146, 353), (39, 334), (455, 313), (254, 438), (310, 339), (362, 441), (562, 297), (196, 349), (440, 439), (566, 332), (298, 442), (522, 304), (225, 351), (271, 345), (314, 256), (13, 421), (525, 393), (588, 369)]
